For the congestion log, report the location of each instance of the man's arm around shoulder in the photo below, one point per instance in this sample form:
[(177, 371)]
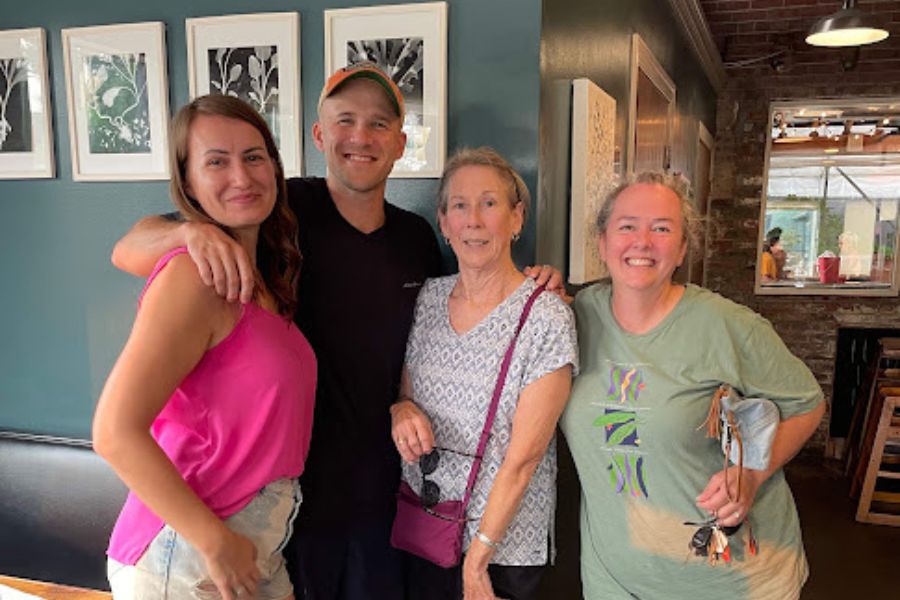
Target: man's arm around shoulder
[(221, 261)]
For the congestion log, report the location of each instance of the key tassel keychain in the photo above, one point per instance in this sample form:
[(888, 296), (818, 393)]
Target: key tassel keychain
[(711, 539)]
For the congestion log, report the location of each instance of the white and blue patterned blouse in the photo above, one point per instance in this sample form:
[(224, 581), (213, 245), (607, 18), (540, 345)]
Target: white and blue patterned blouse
[(453, 377)]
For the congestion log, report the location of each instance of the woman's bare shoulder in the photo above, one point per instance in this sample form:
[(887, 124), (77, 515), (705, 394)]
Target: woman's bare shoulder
[(178, 287)]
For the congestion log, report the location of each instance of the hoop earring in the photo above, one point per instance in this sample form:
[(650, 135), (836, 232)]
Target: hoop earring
[(446, 240)]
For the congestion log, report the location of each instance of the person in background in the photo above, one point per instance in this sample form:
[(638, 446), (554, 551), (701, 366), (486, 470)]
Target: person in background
[(364, 261), (773, 257), (462, 327), (206, 415), (652, 354), (852, 264)]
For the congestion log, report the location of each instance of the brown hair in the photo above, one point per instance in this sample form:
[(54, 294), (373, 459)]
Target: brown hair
[(485, 157), (691, 221), (277, 254)]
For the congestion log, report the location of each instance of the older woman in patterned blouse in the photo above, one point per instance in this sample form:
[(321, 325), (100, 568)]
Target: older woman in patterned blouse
[(463, 325)]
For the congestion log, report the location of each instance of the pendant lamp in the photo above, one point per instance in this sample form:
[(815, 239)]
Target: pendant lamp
[(847, 27)]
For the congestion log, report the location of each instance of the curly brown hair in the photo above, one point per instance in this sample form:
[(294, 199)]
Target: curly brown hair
[(277, 252)]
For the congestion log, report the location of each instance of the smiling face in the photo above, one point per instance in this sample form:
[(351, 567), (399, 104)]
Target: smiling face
[(359, 132), (480, 219), (229, 172), (644, 241)]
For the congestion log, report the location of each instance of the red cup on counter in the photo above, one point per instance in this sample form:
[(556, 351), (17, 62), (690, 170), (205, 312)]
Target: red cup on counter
[(829, 269)]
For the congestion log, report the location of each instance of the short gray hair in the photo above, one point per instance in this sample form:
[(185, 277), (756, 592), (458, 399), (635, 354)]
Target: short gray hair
[(691, 221), (485, 157)]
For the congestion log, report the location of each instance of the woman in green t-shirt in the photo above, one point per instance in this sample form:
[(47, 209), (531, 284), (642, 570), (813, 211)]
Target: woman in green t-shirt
[(653, 353)]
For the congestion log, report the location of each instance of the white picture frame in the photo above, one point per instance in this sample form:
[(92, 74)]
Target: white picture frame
[(255, 57), (410, 42), (26, 131), (593, 176), (118, 105)]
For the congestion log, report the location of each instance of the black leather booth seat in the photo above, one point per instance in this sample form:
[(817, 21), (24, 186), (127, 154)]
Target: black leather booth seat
[(58, 504)]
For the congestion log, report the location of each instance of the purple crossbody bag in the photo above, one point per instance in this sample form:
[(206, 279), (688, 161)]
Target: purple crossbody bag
[(436, 533)]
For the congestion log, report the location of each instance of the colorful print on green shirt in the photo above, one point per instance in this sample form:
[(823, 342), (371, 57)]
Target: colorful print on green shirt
[(626, 462)]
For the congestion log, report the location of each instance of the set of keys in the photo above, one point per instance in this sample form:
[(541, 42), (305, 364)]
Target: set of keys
[(711, 540)]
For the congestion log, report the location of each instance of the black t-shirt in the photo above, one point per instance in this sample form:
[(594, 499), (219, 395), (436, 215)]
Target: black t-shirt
[(356, 301)]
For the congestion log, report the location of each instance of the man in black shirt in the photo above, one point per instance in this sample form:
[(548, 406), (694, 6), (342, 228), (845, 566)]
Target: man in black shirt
[(364, 262)]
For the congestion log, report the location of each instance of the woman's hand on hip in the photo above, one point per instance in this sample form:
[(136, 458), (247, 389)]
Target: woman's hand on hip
[(232, 566), (411, 430), (722, 500)]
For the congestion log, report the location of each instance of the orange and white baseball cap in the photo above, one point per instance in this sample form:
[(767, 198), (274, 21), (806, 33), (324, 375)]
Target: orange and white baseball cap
[(368, 70)]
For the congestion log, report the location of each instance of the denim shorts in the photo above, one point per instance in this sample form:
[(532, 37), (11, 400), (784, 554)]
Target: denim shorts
[(171, 569)]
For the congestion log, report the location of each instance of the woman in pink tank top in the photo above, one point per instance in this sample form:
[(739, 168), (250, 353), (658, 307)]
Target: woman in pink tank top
[(206, 415)]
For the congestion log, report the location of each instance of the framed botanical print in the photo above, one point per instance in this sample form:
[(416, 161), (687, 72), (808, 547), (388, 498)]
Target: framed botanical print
[(408, 42), (118, 101), (26, 138), (254, 57)]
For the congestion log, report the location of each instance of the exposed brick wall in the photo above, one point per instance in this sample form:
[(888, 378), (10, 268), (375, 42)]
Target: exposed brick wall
[(748, 28), (808, 324)]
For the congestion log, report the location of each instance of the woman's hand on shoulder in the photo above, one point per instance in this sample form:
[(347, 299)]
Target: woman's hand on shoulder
[(231, 565), (411, 430)]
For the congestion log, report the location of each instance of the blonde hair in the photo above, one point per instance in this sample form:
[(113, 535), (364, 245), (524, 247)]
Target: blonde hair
[(691, 221), (485, 157)]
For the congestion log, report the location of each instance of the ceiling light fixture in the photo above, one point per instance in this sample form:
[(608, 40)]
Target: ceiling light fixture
[(847, 27)]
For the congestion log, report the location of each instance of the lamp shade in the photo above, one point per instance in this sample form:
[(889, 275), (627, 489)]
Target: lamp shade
[(847, 27)]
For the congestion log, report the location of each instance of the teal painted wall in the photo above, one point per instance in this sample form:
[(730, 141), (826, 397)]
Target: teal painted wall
[(65, 311)]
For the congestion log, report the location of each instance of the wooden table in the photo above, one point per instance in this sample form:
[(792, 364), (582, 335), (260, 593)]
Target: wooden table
[(53, 591)]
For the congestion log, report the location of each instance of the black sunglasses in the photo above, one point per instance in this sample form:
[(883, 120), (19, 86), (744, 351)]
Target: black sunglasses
[(431, 491)]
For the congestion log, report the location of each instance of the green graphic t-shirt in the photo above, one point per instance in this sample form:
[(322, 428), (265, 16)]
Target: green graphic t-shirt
[(633, 425)]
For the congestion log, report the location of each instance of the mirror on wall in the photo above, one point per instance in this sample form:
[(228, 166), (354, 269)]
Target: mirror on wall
[(832, 187)]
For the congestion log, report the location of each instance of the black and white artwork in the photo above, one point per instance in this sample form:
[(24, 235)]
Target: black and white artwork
[(15, 113), (118, 101), (115, 94), (254, 57), (250, 74), (401, 58), (26, 148), (404, 60), (409, 43)]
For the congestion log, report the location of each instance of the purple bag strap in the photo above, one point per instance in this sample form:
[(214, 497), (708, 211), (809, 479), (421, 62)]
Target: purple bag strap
[(495, 401)]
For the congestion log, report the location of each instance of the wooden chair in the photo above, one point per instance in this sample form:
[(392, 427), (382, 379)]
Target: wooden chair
[(883, 380), (887, 437)]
